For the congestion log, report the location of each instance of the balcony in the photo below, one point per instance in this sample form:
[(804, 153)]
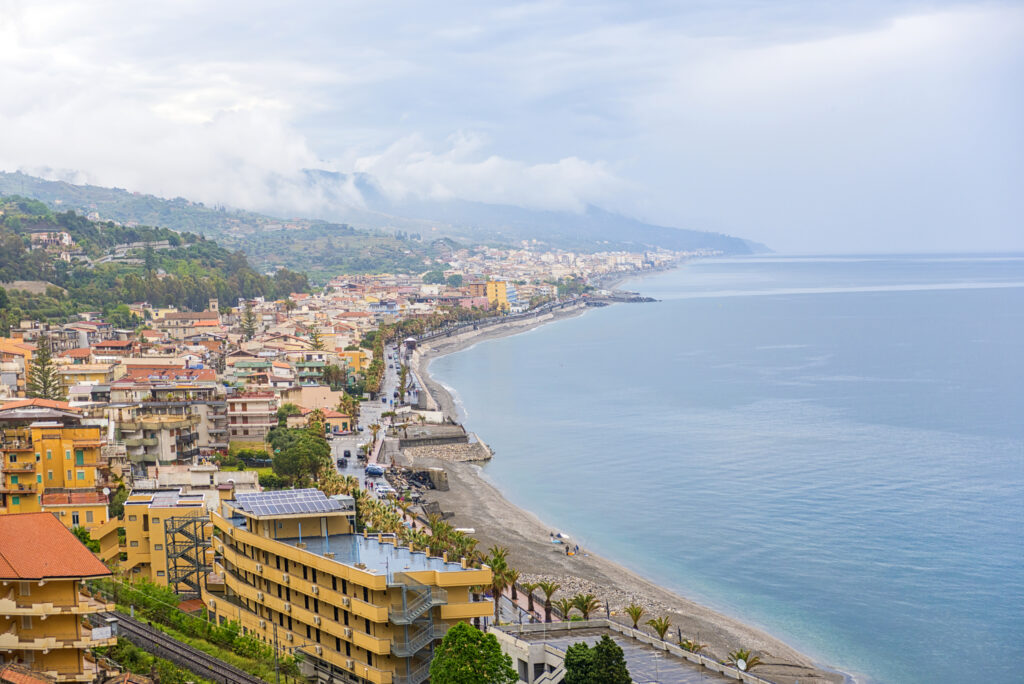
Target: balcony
[(22, 467), (28, 487), (11, 640), (85, 606), (142, 441)]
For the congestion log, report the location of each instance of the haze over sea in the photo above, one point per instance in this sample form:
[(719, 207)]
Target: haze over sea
[(828, 448)]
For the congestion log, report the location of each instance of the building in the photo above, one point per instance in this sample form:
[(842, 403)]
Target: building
[(88, 509), (166, 539), (45, 449), (251, 415), (359, 607), (156, 439), (42, 567)]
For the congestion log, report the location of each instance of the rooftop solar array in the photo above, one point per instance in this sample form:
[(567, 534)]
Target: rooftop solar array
[(286, 501)]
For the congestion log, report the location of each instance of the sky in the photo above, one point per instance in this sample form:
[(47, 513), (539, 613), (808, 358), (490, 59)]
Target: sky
[(810, 126)]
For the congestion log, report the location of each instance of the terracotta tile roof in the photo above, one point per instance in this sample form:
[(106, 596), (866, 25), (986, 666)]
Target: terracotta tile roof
[(38, 546), (41, 403), (80, 353), (66, 498), (19, 674)]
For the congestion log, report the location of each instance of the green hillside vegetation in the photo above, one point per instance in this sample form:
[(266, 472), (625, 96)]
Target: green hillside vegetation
[(187, 273), (322, 249)]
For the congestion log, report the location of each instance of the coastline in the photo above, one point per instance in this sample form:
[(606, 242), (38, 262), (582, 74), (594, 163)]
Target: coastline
[(479, 504)]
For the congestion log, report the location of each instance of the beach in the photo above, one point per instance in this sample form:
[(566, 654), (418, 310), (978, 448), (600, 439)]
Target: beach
[(478, 504)]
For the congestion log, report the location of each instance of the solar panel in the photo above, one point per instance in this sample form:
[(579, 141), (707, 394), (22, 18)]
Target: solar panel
[(286, 501)]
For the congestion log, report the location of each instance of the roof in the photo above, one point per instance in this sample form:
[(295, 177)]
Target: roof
[(114, 343), (19, 674), (77, 498), (38, 546), (79, 353), (37, 403), (285, 502), (198, 315)]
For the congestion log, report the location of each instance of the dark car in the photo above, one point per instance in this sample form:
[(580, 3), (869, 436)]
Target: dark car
[(341, 463), (348, 453)]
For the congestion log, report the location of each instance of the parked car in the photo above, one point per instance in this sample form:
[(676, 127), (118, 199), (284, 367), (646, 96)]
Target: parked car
[(341, 463), (348, 453), (374, 470)]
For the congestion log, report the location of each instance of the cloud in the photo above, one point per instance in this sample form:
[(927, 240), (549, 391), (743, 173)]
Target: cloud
[(800, 124), (462, 170)]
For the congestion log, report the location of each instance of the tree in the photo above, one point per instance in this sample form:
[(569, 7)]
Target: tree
[(287, 409), (43, 382), (692, 646), (602, 664), (316, 340), (659, 625), (455, 280), (586, 604), (548, 588), (83, 536), (565, 606), (635, 612), (529, 588), (248, 322), (749, 661), (468, 656), (432, 277), (403, 382)]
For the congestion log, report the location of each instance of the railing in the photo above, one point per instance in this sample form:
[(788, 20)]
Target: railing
[(425, 599), (28, 466), (416, 643), (417, 676)]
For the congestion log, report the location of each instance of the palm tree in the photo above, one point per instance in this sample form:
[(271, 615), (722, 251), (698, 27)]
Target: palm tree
[(586, 604), (513, 577), (529, 588), (548, 588), (749, 661), (564, 606), (374, 429), (635, 612), (692, 646), (660, 625), (499, 580), (404, 506)]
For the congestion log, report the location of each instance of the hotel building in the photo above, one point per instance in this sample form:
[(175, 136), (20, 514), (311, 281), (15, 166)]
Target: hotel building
[(359, 607)]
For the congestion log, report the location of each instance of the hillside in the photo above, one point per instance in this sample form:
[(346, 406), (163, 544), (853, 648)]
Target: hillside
[(322, 249), (101, 266), (379, 235)]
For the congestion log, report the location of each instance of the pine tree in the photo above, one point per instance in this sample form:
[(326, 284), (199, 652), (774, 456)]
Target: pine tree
[(249, 322), (43, 382), (315, 339)]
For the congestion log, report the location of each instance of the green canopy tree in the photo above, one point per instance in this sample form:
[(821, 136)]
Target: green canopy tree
[(603, 664), (43, 382), (468, 656)]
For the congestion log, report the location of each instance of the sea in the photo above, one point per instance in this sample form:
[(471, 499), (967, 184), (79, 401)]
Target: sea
[(828, 448)]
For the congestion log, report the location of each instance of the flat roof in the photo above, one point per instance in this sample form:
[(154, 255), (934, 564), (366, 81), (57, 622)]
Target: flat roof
[(377, 556), (165, 498), (286, 502)]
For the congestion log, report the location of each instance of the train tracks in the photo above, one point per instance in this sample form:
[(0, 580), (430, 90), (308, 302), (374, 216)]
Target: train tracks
[(181, 654)]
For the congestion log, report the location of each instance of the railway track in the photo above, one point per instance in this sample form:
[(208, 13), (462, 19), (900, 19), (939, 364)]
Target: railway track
[(198, 662)]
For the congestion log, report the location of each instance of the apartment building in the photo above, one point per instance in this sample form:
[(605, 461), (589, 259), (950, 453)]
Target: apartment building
[(166, 539), (42, 567), (360, 608), (251, 415), (45, 449)]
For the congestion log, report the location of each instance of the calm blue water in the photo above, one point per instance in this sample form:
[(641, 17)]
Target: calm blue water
[(831, 449)]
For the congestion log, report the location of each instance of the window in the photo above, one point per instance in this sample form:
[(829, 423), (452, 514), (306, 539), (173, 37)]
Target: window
[(69, 475), (156, 520), (14, 479), (26, 622), (81, 474), (15, 500), (67, 455), (159, 573), (74, 518), (39, 478), (49, 475), (88, 516), (158, 547), (25, 588), (134, 544), (132, 518)]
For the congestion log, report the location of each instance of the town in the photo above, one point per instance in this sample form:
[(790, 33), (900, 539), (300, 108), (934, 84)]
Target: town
[(186, 451)]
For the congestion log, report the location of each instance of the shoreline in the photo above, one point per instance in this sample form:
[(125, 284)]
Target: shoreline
[(476, 502)]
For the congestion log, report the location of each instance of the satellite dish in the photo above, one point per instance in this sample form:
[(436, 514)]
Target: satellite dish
[(742, 664), (106, 491)]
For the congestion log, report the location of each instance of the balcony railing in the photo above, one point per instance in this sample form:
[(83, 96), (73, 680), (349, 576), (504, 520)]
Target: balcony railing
[(23, 467)]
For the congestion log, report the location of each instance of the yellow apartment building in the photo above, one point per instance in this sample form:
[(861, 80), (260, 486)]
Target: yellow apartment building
[(359, 608), (496, 292), (15, 359), (47, 455), (42, 567), (88, 374), (86, 509), (166, 539)]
